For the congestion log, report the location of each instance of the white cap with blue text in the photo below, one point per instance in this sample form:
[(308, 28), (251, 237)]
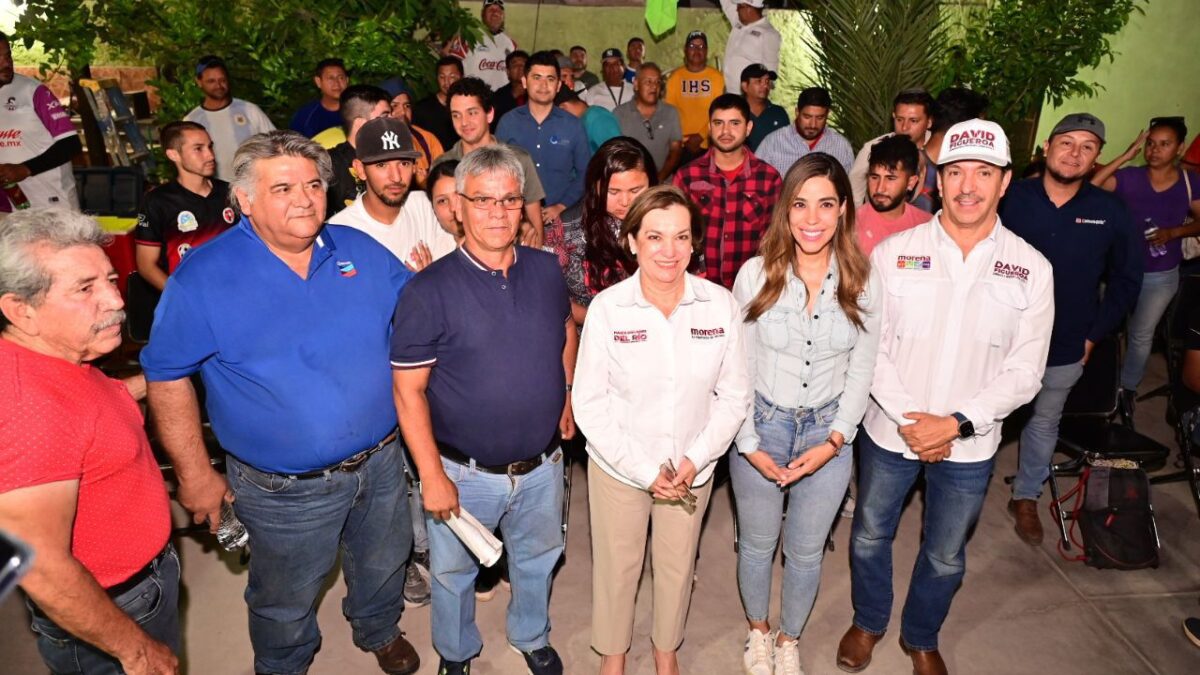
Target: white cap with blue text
[(978, 140)]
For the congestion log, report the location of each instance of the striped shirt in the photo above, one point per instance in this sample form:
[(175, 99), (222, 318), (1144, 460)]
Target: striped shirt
[(784, 146)]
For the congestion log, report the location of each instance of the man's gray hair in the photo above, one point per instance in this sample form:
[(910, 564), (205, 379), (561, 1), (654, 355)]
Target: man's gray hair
[(57, 227), (489, 159), (269, 145)]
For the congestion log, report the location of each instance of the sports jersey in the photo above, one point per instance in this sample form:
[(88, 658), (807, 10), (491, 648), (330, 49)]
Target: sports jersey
[(178, 220), (486, 59), (691, 93), (33, 120), (229, 127)]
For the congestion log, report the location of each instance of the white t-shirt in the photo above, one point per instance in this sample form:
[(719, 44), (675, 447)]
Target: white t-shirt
[(486, 59), (32, 120), (229, 127), (754, 43), (416, 223), (608, 97)]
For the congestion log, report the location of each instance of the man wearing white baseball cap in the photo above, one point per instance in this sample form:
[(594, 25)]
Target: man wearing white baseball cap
[(965, 329), (752, 39)]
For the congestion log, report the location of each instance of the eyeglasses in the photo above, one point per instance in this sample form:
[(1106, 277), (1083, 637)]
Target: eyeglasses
[(649, 128), (484, 203)]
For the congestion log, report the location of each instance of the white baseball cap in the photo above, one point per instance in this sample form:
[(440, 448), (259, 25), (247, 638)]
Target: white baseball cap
[(978, 140), (757, 4)]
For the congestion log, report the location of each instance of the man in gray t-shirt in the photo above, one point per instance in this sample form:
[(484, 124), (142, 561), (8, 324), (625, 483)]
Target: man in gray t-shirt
[(652, 122)]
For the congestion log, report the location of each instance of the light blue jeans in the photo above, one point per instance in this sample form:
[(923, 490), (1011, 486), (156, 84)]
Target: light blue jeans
[(1040, 435), (813, 503), (528, 510), (1158, 288)]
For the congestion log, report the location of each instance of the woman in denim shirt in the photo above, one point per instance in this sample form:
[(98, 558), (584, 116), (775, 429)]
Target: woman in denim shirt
[(811, 335)]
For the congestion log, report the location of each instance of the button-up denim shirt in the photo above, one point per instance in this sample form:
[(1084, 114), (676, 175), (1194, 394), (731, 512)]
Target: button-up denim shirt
[(798, 359)]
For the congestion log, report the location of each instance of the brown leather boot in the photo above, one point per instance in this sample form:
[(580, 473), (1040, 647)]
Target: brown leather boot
[(398, 658), (854, 651), (1028, 526), (925, 663)]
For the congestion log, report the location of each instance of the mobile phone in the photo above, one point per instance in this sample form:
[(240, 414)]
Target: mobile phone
[(15, 559)]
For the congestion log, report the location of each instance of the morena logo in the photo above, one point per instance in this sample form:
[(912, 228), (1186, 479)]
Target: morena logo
[(977, 138)]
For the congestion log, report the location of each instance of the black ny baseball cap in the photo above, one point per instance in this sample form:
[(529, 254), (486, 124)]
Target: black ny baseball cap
[(383, 139), (756, 70)]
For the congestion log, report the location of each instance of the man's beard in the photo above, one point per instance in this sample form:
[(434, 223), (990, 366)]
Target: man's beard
[(897, 201)]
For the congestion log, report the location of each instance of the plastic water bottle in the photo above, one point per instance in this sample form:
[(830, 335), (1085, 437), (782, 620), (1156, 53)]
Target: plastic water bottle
[(16, 196), (1156, 250)]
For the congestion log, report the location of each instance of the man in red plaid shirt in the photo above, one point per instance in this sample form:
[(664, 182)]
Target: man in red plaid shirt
[(734, 190)]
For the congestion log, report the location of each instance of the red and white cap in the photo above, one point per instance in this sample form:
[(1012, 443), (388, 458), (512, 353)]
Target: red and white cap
[(978, 140)]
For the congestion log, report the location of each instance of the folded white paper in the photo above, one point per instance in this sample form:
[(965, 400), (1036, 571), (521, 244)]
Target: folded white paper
[(477, 538)]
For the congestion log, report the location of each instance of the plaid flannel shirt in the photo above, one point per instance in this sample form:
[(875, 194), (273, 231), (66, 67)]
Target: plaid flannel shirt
[(735, 213)]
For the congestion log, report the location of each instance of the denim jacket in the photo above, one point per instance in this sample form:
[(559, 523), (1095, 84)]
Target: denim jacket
[(802, 360)]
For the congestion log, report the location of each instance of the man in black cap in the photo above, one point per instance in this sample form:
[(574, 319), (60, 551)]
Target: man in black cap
[(692, 89), (359, 104), (1090, 239), (614, 90), (766, 116)]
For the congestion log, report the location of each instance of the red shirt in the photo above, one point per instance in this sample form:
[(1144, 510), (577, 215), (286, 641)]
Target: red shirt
[(60, 421), (735, 212), (873, 228)]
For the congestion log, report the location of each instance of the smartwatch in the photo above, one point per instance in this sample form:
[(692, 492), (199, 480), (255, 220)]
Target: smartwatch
[(965, 428)]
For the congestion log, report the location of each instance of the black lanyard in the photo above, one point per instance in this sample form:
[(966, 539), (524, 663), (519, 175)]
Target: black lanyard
[(616, 100)]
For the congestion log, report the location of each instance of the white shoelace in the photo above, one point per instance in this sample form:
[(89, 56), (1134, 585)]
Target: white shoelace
[(758, 653), (787, 658)]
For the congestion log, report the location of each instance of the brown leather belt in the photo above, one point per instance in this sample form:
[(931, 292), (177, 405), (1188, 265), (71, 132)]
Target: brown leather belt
[(517, 468), (350, 464)]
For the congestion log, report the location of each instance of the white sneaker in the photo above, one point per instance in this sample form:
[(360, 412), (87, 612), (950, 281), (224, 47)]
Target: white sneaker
[(756, 659), (787, 658)]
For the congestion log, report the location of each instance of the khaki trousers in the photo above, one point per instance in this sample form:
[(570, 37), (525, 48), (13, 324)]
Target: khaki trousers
[(620, 516)]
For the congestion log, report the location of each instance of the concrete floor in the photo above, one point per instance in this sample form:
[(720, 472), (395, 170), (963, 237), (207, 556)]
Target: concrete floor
[(1020, 610)]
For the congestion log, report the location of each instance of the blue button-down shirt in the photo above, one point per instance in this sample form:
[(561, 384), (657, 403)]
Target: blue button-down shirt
[(1089, 239), (559, 146), (296, 368)]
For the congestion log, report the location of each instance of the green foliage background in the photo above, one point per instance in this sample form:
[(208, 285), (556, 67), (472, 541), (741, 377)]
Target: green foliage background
[(270, 46)]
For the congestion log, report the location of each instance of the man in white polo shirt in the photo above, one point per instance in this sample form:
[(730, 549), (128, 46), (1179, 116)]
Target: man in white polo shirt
[(397, 217), (486, 60), (965, 329), (752, 39)]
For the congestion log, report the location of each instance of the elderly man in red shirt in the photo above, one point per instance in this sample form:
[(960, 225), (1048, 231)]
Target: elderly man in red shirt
[(78, 481)]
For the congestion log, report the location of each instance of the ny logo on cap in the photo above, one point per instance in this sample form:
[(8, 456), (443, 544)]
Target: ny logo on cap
[(390, 141)]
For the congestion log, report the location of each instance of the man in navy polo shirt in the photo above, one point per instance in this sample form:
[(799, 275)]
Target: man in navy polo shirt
[(1089, 238), (555, 138), (483, 352), (288, 321)]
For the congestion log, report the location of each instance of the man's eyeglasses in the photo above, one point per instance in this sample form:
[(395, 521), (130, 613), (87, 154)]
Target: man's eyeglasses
[(484, 203), (649, 128)]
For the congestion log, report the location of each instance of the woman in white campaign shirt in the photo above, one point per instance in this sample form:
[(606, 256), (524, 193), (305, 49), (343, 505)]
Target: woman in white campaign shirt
[(660, 390), (812, 332)]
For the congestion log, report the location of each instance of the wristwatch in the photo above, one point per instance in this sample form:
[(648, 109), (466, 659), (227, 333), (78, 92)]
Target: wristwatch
[(965, 428)]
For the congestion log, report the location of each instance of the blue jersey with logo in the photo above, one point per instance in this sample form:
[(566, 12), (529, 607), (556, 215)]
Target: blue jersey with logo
[(296, 369)]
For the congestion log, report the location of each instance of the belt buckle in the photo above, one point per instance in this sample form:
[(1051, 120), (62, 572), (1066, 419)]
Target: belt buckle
[(354, 462)]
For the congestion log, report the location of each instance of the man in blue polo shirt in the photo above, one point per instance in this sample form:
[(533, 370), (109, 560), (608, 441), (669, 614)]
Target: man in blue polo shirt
[(554, 137), (483, 352), (287, 321), (1089, 238)]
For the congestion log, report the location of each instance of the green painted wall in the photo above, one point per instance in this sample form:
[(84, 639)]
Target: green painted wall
[(598, 28), (1155, 74)]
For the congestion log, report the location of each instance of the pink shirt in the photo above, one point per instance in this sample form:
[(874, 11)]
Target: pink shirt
[(873, 228)]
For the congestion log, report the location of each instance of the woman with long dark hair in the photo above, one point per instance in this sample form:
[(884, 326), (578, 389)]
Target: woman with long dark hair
[(812, 331), (588, 246)]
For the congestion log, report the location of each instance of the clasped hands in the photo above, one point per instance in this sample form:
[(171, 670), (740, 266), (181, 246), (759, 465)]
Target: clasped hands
[(929, 436)]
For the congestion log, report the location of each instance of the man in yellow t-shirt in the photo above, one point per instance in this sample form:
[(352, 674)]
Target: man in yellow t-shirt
[(691, 89)]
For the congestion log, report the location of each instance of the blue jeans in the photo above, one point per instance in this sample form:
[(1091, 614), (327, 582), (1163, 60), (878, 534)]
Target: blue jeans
[(1040, 435), (813, 503), (153, 604), (528, 510), (296, 528), (954, 493), (1158, 288)]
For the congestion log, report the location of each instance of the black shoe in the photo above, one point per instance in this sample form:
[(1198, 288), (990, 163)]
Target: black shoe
[(454, 667), (485, 583), (542, 661), (1191, 628), (1125, 405)]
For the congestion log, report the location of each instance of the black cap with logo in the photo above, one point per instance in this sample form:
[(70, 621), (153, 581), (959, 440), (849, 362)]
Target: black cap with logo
[(383, 139)]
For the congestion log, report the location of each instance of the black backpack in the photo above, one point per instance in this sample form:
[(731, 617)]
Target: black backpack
[(1115, 518)]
